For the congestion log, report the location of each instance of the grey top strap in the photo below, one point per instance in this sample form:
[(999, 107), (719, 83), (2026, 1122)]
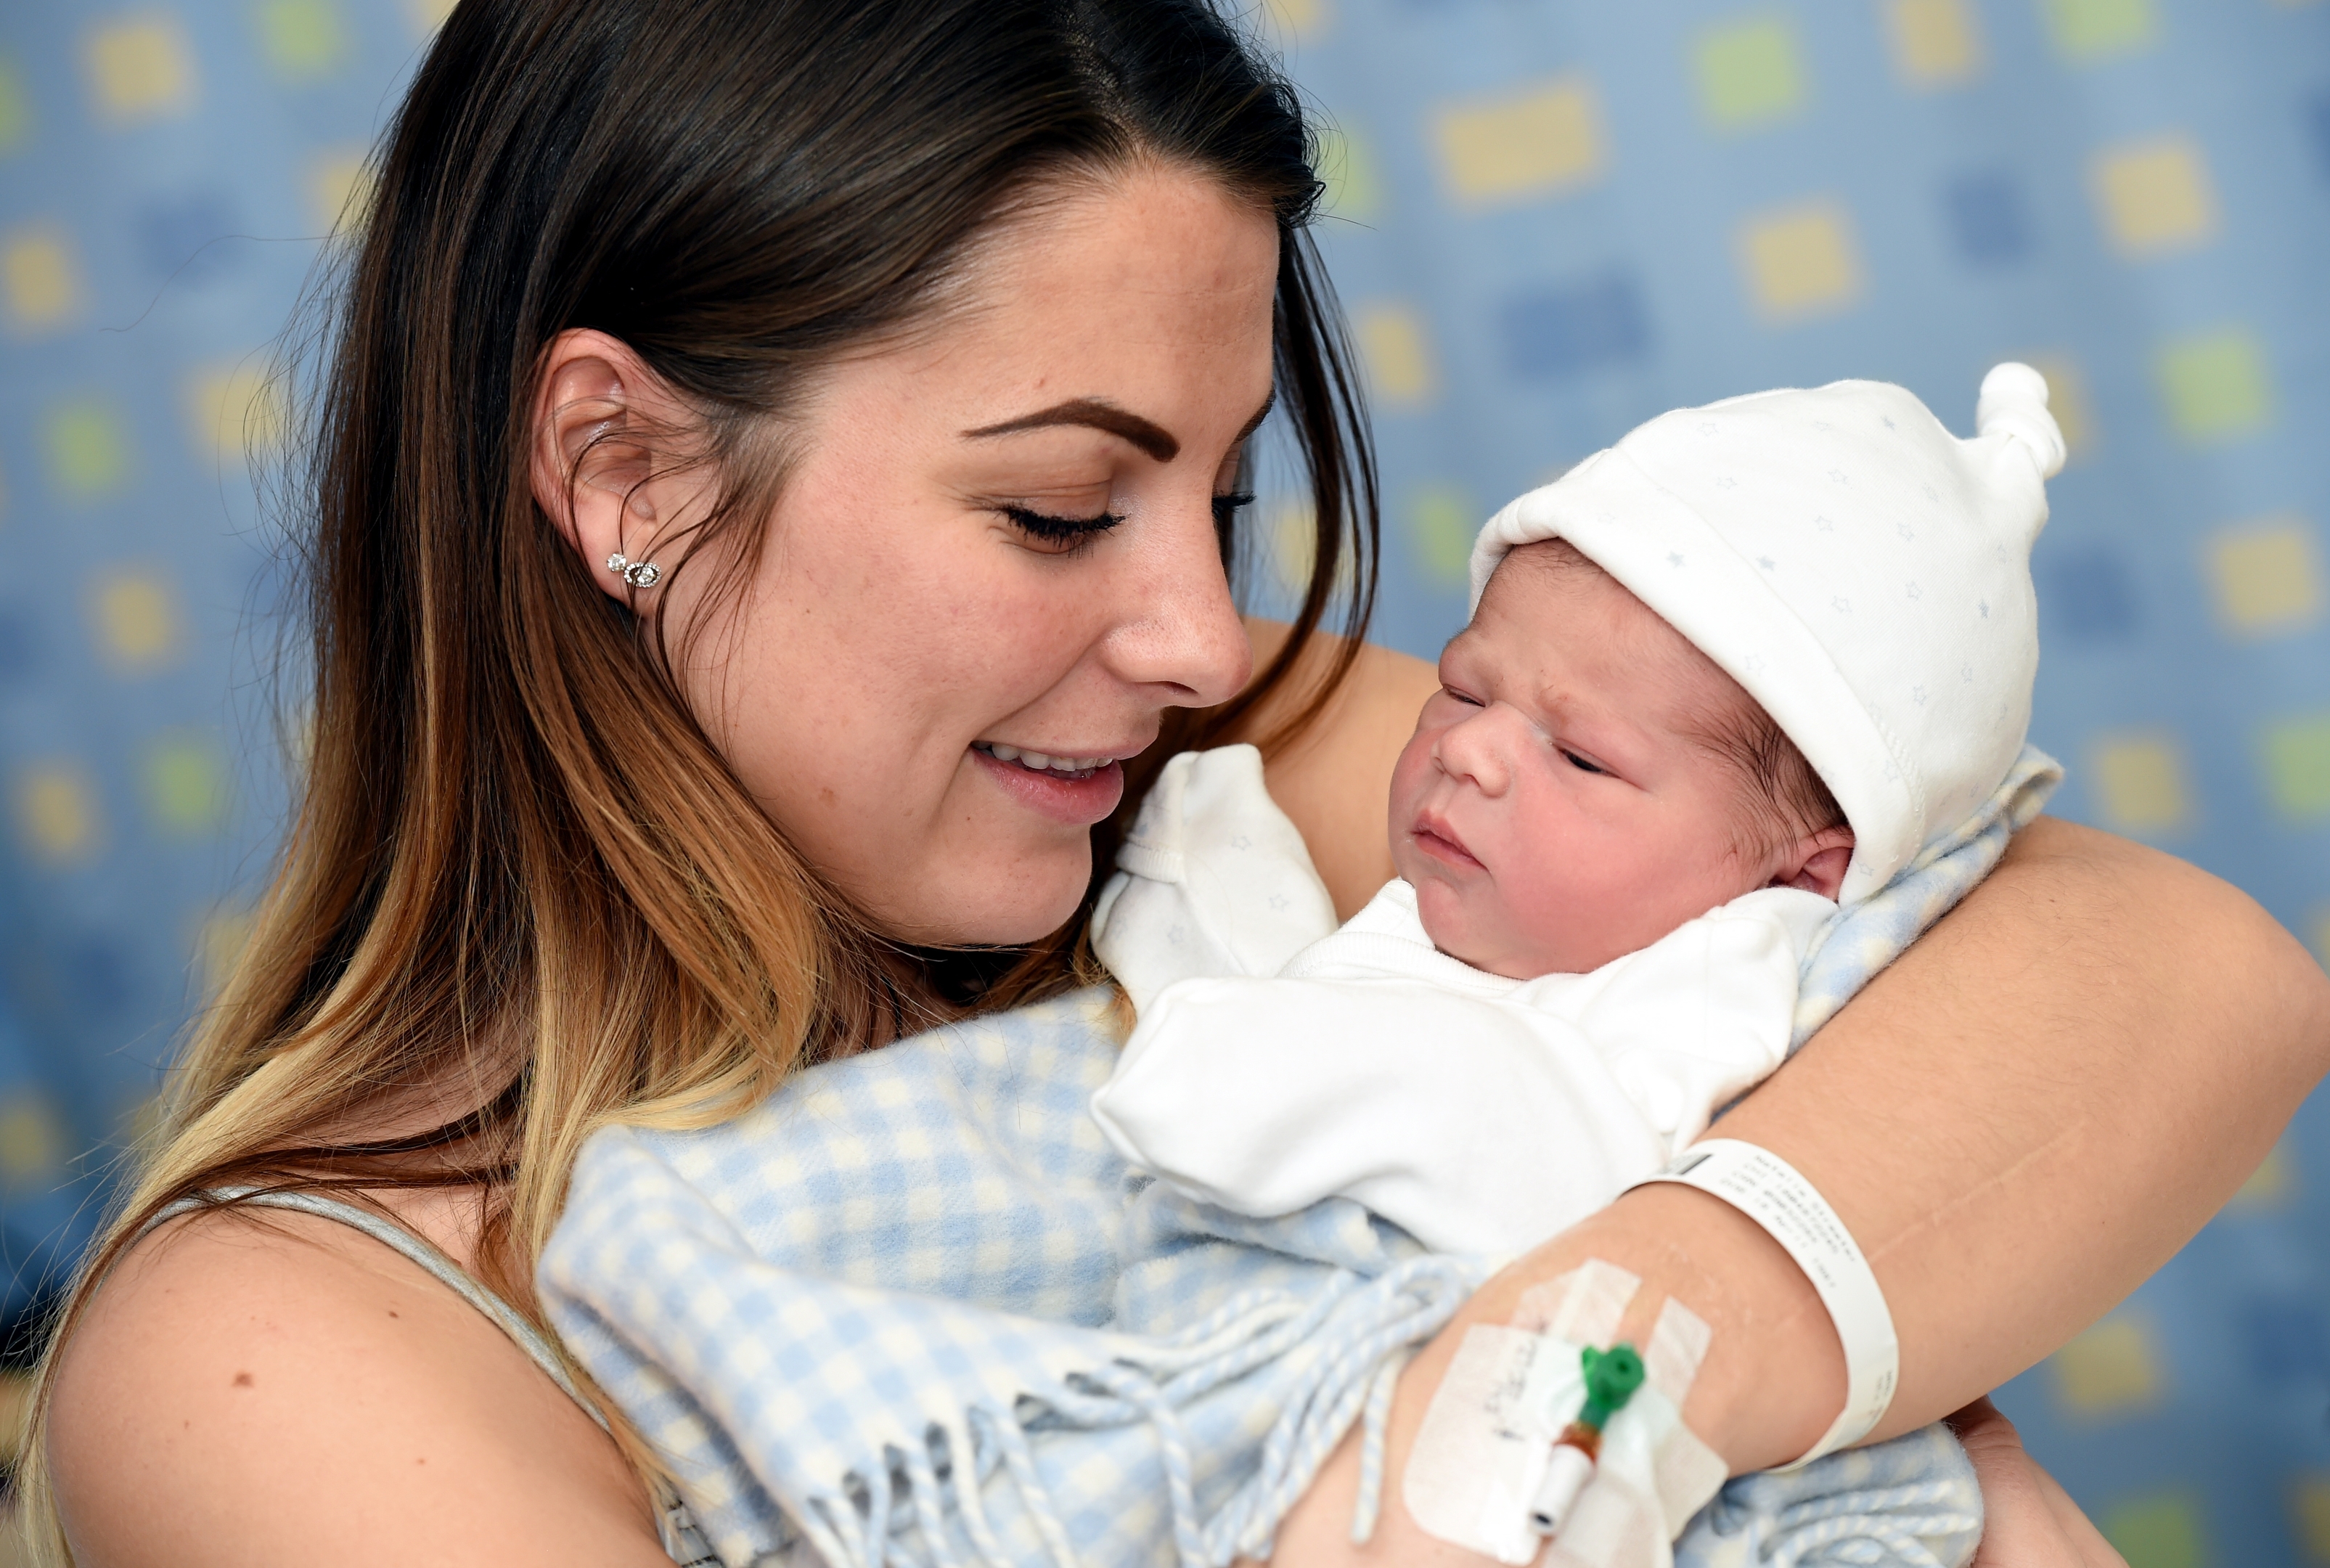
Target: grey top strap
[(388, 1233), (682, 1541)]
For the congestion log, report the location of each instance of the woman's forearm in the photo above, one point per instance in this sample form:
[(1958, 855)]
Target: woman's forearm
[(2019, 1120), (2044, 1099)]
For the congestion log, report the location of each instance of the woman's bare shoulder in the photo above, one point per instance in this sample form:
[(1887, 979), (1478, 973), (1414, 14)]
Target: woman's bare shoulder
[(1335, 781), (259, 1390)]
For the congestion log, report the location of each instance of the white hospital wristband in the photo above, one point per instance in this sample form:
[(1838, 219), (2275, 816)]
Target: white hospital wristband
[(1769, 1191)]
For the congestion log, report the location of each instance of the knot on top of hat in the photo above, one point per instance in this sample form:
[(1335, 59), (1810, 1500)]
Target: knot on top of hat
[(2013, 403)]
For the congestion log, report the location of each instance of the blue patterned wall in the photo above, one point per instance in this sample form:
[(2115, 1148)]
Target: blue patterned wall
[(1552, 219)]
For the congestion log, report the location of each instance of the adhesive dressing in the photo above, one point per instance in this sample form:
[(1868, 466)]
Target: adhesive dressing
[(1488, 1435)]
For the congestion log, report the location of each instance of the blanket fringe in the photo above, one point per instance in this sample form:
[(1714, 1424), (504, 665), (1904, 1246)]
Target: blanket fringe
[(922, 1504)]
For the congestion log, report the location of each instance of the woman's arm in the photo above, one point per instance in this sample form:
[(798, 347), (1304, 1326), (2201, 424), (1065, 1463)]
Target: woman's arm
[(2019, 1120)]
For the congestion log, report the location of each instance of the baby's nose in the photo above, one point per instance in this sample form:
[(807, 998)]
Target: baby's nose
[(1480, 749)]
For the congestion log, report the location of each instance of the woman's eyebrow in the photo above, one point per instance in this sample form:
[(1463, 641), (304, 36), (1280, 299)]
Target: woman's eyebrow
[(1091, 412)]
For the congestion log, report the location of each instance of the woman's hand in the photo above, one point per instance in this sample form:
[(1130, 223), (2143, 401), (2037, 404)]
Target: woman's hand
[(2029, 1521)]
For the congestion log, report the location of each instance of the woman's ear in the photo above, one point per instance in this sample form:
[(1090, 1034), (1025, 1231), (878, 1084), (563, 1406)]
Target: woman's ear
[(598, 411), (1816, 863)]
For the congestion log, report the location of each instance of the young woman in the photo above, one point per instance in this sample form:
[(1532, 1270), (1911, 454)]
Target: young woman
[(776, 499)]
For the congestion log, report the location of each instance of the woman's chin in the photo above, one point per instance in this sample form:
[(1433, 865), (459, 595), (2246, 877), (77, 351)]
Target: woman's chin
[(1000, 903)]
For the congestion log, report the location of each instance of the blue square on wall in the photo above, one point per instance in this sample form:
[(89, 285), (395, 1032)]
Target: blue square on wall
[(1989, 218), (2317, 129), (2286, 1340), (1558, 333), (191, 238), (2084, 593)]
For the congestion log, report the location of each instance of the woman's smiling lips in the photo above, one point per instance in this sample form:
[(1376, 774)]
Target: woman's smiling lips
[(1437, 839), (1076, 790)]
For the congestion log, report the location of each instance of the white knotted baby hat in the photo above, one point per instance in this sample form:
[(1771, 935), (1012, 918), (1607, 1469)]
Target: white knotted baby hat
[(1861, 572)]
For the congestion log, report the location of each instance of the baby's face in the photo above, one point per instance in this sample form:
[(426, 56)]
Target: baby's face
[(1555, 809)]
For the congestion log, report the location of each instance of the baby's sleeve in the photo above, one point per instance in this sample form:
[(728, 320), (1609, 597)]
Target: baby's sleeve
[(1704, 1014), (1478, 1127), (1213, 881)]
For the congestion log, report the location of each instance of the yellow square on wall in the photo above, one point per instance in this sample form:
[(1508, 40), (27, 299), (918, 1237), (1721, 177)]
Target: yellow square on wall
[(2267, 575), (2270, 1185), (2091, 30), (2111, 1369), (2160, 1530), (1934, 42), (88, 454), (33, 1141), (2309, 1511), (186, 786), (15, 107), (301, 39), (1398, 354), (1801, 260), (1750, 73), (140, 67), (1442, 523), (234, 410), (56, 813), (2139, 781), (1297, 19), (134, 618), (2297, 765), (2067, 400), (41, 280), (1348, 169), (2155, 196), (339, 189), (2216, 386), (1521, 146)]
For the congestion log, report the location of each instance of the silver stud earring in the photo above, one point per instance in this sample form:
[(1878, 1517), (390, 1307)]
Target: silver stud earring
[(638, 574)]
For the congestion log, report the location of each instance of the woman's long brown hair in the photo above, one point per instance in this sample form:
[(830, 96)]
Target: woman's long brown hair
[(521, 888)]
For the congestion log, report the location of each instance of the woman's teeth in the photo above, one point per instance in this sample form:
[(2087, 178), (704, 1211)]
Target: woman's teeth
[(1038, 760)]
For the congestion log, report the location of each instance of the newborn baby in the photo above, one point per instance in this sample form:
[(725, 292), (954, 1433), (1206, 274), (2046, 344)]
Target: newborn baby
[(1746, 663)]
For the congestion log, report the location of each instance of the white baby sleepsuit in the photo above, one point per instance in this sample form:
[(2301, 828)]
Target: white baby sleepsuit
[(1479, 1114)]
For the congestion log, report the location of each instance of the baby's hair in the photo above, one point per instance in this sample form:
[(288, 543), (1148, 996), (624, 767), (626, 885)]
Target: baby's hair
[(1789, 801), (1786, 800)]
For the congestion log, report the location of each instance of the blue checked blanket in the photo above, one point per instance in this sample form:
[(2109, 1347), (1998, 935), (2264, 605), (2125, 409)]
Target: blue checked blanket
[(914, 1309)]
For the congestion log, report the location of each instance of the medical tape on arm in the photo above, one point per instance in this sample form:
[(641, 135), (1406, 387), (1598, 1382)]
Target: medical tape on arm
[(1489, 1432), (1771, 1193)]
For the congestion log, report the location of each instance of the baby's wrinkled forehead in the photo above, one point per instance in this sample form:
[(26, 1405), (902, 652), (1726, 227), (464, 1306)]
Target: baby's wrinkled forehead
[(1548, 596), (1551, 589)]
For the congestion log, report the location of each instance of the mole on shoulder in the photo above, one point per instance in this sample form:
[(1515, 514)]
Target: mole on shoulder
[(242, 1380)]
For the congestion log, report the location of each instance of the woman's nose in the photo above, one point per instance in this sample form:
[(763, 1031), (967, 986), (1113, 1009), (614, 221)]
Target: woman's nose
[(1182, 630)]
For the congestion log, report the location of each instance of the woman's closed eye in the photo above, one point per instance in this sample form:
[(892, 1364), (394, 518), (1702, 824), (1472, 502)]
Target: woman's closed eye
[(1228, 507), (1057, 534)]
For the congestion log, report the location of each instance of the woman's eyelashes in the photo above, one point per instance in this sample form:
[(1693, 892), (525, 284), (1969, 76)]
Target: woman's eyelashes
[(1058, 534), (1065, 535)]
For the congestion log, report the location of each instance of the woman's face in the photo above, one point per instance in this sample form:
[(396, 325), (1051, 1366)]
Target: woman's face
[(993, 565)]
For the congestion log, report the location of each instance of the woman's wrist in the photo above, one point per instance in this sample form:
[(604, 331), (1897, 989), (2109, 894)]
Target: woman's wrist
[(1774, 1376)]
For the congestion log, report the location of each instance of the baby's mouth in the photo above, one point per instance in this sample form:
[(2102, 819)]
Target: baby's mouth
[(1439, 840)]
